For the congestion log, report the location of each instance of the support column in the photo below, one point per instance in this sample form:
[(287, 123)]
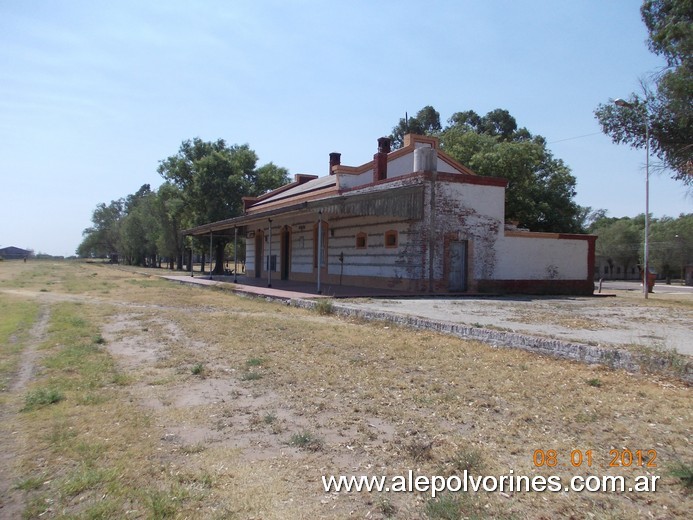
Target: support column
[(235, 254), (210, 255), (269, 256), (319, 249)]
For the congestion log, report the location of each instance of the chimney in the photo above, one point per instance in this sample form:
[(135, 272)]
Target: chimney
[(335, 160), (380, 159)]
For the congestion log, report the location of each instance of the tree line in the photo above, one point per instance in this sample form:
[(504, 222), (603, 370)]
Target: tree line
[(621, 243), (203, 182)]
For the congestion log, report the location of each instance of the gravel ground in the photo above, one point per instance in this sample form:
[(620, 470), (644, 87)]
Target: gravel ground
[(621, 319)]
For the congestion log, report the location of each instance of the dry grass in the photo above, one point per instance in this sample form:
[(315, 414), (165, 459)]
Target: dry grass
[(139, 434)]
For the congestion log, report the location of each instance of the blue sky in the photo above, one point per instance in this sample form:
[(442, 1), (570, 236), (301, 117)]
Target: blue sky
[(93, 94)]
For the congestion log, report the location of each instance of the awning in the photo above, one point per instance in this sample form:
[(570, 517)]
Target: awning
[(405, 203)]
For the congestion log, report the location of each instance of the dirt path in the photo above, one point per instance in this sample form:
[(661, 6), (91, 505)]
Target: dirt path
[(11, 499)]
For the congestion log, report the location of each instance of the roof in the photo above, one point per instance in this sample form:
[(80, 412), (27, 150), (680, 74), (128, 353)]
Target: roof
[(307, 187), (348, 190), (14, 252)]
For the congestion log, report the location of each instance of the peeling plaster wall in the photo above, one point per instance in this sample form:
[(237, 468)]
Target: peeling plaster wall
[(469, 212), (375, 259), (461, 211), (528, 258)]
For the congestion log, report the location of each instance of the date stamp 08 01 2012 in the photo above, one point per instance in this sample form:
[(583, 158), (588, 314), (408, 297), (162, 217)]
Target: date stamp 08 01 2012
[(623, 458)]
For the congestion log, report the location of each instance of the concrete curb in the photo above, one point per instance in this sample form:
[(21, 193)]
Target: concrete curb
[(613, 357)]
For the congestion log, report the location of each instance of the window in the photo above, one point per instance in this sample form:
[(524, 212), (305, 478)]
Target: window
[(361, 241), (391, 238)]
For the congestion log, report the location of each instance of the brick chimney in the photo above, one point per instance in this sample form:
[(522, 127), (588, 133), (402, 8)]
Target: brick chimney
[(335, 160), (380, 159)]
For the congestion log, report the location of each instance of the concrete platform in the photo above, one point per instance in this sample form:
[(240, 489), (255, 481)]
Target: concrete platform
[(284, 289)]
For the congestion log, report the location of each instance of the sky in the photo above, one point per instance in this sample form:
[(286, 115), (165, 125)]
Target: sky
[(94, 94)]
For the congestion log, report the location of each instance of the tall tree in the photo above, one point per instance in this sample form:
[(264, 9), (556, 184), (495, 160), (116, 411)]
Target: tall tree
[(666, 113), (171, 214), (103, 238), (214, 177), (140, 228)]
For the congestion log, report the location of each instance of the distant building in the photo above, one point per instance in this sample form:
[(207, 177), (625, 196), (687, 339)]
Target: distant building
[(607, 269), (412, 219), (14, 253)]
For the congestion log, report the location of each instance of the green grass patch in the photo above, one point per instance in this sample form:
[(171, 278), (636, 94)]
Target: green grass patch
[(255, 362), (251, 376), (443, 507), (86, 477), (77, 361), (306, 441), (16, 319), (31, 483), (41, 397), (683, 472)]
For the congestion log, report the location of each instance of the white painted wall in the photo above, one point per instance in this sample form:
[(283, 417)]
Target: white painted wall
[(526, 258)]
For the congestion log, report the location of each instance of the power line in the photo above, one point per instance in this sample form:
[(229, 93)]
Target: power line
[(571, 138)]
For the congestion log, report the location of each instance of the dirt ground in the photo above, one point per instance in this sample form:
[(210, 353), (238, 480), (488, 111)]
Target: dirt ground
[(243, 405)]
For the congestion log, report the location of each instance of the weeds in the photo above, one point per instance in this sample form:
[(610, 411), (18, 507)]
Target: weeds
[(198, 369), (255, 362), (41, 397), (251, 376), (683, 472), (306, 441), (324, 307), (443, 507), (595, 382), (420, 450), (387, 508), (470, 460)]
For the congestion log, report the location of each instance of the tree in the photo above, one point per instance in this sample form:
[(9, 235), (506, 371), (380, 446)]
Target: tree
[(140, 228), (671, 241), (213, 178), (620, 241), (425, 122), (540, 189), (667, 113), (170, 209), (103, 238)]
